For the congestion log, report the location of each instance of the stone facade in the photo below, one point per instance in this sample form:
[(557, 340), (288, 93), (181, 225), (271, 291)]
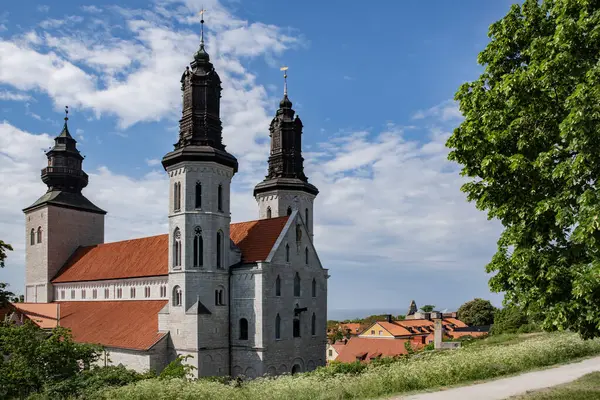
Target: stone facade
[(278, 203), (62, 231)]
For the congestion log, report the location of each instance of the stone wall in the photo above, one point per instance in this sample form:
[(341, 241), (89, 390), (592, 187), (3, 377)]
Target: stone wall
[(63, 231)]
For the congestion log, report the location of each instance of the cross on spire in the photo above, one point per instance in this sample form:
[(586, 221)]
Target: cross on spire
[(202, 11)]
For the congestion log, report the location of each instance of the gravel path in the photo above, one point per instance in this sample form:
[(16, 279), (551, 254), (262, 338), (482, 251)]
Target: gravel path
[(506, 387)]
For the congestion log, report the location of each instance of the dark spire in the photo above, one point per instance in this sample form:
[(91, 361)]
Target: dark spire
[(200, 129), (64, 175), (286, 164)]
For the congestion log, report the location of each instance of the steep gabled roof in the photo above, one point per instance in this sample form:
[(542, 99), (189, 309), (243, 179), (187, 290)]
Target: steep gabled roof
[(256, 238), (149, 256), (44, 315)]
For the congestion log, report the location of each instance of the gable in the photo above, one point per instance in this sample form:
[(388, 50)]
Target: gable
[(149, 256)]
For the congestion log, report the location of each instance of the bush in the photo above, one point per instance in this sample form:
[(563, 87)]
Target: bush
[(477, 312), (178, 369)]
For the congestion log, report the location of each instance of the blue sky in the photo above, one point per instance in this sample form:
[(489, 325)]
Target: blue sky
[(373, 84)]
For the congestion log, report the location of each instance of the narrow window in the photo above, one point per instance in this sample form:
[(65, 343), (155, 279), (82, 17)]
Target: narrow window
[(243, 329), (220, 197), (32, 237), (198, 248), (277, 327), (297, 326), (177, 248), (176, 196), (106, 293), (147, 291), (298, 234), (198, 202), (287, 253), (219, 250), (163, 291), (306, 217), (177, 296), (297, 285), (94, 294), (313, 325), (72, 294), (289, 211), (119, 293), (306, 255), (314, 288), (268, 212), (221, 302), (62, 294), (278, 286), (39, 234), (132, 293)]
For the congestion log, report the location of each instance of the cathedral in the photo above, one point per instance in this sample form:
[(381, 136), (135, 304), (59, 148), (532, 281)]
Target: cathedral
[(247, 298)]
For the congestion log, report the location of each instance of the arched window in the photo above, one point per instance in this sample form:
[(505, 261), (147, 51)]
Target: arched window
[(220, 197), (177, 296), (219, 297), (306, 255), (198, 247), (297, 326), (219, 249), (243, 329), (287, 253), (39, 234), (289, 211), (32, 237), (298, 233), (314, 288), (297, 285), (198, 199), (177, 248), (277, 327), (313, 325), (306, 217), (268, 212), (278, 286)]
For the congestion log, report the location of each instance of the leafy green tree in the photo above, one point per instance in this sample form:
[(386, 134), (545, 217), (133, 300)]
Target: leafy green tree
[(530, 146), (428, 308), (5, 294), (477, 312), (31, 359), (512, 319), (178, 368)]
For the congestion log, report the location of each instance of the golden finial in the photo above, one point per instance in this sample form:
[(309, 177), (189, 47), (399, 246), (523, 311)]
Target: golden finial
[(284, 69)]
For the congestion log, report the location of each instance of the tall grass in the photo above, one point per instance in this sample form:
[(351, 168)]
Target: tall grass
[(425, 371)]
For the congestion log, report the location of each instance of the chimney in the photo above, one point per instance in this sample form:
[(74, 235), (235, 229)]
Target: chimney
[(389, 318)]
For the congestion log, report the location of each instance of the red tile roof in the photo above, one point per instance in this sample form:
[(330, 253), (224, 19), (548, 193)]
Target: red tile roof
[(354, 327), (358, 347), (126, 259), (257, 238), (150, 256), (122, 324), (42, 314)]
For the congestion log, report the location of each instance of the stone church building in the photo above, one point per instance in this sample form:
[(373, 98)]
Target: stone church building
[(246, 298)]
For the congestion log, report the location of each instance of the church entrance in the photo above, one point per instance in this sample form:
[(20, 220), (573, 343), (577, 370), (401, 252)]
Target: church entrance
[(296, 368)]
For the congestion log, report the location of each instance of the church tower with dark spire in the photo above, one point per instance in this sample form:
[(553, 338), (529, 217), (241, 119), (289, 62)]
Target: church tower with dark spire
[(286, 187), (59, 221), (200, 172)]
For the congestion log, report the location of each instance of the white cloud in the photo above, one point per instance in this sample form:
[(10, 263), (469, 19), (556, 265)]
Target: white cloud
[(43, 8), (6, 95), (91, 9), (445, 111), (152, 162)]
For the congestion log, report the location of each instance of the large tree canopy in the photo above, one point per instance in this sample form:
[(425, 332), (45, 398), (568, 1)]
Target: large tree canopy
[(530, 144), (477, 312)]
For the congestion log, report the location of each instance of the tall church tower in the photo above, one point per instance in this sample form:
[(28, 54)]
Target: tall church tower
[(200, 172), (286, 187), (59, 221)]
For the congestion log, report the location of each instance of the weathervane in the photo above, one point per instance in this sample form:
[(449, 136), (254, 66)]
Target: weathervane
[(284, 69), (202, 25)]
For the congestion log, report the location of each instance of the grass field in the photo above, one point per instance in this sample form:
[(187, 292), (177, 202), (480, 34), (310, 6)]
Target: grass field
[(584, 388), (479, 360)]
